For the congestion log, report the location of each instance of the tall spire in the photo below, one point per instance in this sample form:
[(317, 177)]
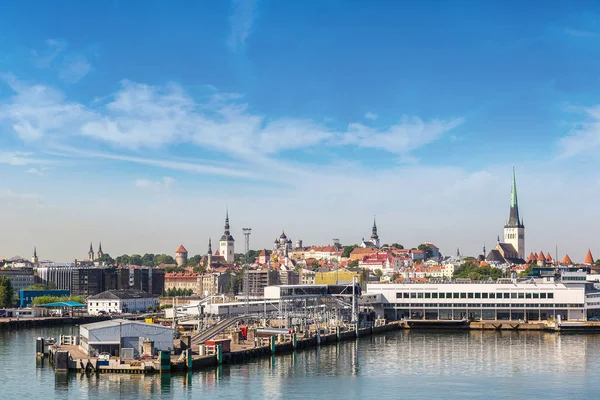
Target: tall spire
[(209, 246), (35, 252), (514, 220), (226, 234), (374, 230), (91, 248), (100, 247)]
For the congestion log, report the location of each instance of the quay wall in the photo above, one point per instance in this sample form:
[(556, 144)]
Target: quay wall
[(32, 323)]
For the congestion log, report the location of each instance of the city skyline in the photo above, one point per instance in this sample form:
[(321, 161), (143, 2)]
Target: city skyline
[(306, 117)]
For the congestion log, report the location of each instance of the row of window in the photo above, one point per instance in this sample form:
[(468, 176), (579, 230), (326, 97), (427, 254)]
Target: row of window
[(505, 295), (484, 305)]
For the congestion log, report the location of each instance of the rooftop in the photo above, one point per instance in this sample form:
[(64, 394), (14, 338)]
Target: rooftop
[(122, 294)]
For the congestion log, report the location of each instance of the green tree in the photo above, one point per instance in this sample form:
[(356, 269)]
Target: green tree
[(41, 286), (123, 260), (338, 246), (163, 259), (199, 269), (7, 293), (527, 272), (135, 259), (194, 261), (347, 250), (472, 271), (426, 249), (174, 269), (353, 264), (315, 265), (253, 255), (148, 260), (38, 301), (397, 246), (378, 273), (106, 259)]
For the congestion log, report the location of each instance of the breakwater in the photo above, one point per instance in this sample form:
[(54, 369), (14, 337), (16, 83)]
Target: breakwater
[(32, 323)]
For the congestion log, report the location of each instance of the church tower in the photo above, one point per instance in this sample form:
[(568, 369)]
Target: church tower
[(91, 253), (226, 244), (34, 259), (514, 230), (209, 254), (100, 252), (374, 236)]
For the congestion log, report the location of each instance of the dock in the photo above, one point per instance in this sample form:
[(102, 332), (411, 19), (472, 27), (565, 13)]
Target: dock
[(66, 355)]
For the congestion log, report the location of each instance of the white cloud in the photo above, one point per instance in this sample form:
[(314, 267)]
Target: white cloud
[(408, 135), (371, 116), (141, 116), (581, 33), (584, 137), (36, 171), (74, 69), (242, 21), (19, 158), (162, 185), (71, 66), (45, 57)]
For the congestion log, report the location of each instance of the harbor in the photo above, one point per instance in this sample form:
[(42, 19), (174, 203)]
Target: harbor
[(239, 344)]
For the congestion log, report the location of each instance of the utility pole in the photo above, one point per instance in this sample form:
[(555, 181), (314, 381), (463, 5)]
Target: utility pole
[(247, 232)]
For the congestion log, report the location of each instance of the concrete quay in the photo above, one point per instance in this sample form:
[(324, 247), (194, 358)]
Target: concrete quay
[(10, 324)]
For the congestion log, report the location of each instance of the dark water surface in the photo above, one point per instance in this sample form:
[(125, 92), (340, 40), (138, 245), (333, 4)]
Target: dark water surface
[(398, 365)]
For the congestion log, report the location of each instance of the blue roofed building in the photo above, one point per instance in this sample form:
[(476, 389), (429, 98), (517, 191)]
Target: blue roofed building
[(27, 296)]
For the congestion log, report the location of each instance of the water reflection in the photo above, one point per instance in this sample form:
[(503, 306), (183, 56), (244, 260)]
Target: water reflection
[(417, 364)]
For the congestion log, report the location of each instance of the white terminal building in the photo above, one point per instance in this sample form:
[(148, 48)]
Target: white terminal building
[(571, 297), (121, 301)]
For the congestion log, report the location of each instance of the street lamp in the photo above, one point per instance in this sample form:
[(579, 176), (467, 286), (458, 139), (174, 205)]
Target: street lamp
[(247, 232)]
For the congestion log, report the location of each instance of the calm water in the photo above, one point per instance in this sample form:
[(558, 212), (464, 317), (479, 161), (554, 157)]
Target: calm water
[(405, 365)]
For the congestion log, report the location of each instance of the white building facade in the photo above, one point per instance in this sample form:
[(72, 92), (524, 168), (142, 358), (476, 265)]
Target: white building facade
[(487, 301), (121, 301)]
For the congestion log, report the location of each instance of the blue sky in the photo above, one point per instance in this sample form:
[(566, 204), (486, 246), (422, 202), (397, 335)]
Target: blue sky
[(151, 117)]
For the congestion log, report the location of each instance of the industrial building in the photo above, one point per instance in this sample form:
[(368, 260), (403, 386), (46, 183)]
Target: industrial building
[(118, 334)]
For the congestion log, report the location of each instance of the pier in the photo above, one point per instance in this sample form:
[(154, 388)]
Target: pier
[(224, 346)]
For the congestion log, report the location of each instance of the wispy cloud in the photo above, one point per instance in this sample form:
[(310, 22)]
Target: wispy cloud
[(371, 116), (402, 138), (74, 69), (19, 158), (581, 33), (11, 198), (71, 66), (241, 20), (584, 137), (37, 171), (163, 185), (172, 164)]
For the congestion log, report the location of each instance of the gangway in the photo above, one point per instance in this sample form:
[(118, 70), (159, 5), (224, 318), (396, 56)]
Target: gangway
[(211, 332)]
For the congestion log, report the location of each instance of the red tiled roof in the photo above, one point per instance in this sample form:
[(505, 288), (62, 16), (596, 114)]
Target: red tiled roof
[(541, 256), (548, 257), (588, 258), (181, 249), (326, 249), (567, 260), (531, 257)]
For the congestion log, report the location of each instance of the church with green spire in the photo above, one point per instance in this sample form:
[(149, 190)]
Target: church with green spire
[(512, 249), (514, 230)]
